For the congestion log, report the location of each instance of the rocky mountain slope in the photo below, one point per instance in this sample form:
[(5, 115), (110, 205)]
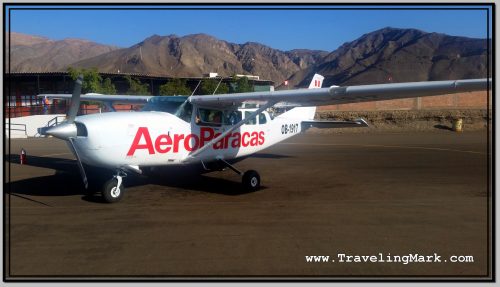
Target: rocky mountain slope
[(195, 55), (399, 55), (386, 55), (39, 54)]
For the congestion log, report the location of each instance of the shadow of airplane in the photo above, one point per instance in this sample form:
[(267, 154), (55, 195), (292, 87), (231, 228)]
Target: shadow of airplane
[(60, 164), (67, 181)]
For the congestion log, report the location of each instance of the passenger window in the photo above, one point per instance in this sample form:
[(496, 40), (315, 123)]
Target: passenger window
[(262, 119), (209, 117), (232, 118), (252, 121)]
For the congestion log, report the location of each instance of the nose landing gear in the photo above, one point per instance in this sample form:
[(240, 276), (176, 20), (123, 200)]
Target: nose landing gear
[(113, 189)]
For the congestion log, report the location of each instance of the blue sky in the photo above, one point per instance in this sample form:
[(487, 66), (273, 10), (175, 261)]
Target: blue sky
[(323, 28)]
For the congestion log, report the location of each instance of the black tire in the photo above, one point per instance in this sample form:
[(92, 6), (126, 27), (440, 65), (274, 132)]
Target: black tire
[(251, 180), (110, 193)]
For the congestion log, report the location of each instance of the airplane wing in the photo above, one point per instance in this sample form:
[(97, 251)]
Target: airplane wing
[(119, 99), (311, 97), (343, 95)]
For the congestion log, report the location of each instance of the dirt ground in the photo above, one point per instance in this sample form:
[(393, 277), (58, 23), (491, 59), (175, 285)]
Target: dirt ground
[(408, 120), (323, 195)]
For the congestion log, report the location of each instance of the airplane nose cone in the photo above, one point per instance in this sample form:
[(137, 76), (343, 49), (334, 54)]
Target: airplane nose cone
[(62, 131)]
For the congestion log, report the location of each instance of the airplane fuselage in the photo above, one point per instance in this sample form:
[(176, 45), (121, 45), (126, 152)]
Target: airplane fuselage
[(141, 139)]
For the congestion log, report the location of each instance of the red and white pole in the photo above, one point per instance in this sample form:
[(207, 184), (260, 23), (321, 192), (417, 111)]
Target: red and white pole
[(22, 157)]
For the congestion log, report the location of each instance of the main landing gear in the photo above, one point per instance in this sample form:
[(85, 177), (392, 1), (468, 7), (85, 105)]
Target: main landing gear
[(250, 178)]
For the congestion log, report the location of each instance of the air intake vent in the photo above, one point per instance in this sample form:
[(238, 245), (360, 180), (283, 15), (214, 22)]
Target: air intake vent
[(81, 130)]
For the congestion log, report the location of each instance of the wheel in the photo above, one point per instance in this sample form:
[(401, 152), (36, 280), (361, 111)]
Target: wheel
[(111, 192), (251, 180)]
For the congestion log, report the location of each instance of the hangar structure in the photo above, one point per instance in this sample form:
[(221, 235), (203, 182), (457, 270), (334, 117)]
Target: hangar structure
[(21, 88)]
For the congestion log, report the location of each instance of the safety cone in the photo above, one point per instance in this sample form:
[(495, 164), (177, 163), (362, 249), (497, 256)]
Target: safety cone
[(22, 156)]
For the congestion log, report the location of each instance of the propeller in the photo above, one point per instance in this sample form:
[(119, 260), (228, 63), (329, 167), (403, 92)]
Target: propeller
[(68, 129), (75, 100)]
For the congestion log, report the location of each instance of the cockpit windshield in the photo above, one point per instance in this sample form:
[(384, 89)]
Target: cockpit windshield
[(175, 105), (167, 104), (180, 107)]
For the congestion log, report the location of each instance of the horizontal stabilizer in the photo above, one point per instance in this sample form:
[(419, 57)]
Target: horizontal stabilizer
[(358, 123)]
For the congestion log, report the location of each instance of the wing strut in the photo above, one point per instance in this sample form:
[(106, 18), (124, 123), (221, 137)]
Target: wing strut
[(239, 124)]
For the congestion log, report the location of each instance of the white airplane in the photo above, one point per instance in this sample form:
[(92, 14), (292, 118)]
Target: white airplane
[(210, 130)]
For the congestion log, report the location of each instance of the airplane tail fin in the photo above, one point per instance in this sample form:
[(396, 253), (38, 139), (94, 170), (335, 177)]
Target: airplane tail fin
[(316, 82), (306, 113)]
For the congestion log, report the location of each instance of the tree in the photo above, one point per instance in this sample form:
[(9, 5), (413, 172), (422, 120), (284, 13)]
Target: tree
[(175, 87), (208, 87), (136, 87), (107, 87), (92, 81), (242, 85)]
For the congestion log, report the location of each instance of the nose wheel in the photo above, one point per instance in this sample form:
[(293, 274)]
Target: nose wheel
[(113, 189)]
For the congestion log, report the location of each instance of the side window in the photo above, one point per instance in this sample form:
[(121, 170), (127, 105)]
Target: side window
[(262, 119), (232, 118), (252, 121), (209, 117)]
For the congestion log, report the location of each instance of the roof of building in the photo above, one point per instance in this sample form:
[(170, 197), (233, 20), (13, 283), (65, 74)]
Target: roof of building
[(139, 75)]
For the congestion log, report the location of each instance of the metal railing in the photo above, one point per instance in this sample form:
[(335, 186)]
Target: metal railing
[(22, 128), (55, 121)]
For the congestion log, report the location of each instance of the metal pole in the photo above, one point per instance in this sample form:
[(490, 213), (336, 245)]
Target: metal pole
[(218, 85), (196, 88)]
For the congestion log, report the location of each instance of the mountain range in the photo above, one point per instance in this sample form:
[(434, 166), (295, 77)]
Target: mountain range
[(40, 54), (386, 55)]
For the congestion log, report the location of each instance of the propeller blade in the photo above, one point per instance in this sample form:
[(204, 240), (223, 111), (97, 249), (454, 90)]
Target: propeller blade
[(75, 100), (67, 129)]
